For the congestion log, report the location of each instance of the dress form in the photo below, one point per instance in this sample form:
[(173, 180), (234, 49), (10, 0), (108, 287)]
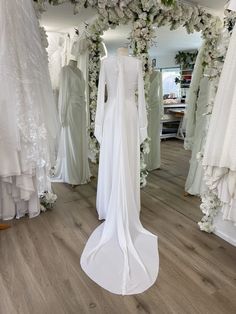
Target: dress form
[(72, 161)]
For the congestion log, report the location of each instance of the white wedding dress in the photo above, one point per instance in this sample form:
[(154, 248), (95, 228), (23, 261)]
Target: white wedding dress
[(192, 100), (195, 184), (120, 255), (28, 124), (220, 151), (72, 161), (196, 125), (153, 159)]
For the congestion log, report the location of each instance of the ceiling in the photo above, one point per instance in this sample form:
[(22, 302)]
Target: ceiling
[(167, 42), (60, 18), (216, 6)]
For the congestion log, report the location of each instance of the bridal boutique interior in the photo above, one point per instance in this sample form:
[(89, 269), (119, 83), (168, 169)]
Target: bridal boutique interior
[(96, 241)]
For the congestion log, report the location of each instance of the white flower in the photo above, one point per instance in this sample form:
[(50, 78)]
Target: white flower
[(50, 197), (143, 16), (199, 156)]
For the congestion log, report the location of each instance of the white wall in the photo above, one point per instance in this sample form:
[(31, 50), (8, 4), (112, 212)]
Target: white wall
[(166, 60), (225, 229)]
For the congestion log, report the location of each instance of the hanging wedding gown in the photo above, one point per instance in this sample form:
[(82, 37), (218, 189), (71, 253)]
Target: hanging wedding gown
[(191, 100), (72, 162), (28, 125), (220, 151), (153, 159), (120, 255), (196, 121), (195, 184)]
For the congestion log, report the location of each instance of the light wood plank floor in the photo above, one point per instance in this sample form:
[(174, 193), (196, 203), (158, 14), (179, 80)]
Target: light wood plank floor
[(39, 259)]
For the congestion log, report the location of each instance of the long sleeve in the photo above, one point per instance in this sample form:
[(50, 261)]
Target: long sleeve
[(63, 97), (142, 113), (100, 105)]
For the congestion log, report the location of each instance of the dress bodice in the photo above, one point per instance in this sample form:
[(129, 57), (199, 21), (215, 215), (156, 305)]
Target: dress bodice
[(128, 68), (74, 80), (123, 77)]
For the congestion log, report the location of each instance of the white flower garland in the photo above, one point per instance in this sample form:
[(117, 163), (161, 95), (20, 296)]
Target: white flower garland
[(146, 14), (210, 207)]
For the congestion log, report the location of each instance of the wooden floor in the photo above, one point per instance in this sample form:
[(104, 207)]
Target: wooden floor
[(40, 258)]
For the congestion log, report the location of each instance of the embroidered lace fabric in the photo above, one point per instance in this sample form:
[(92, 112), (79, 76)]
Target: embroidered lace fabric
[(28, 123)]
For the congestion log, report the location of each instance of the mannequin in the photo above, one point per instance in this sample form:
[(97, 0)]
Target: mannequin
[(123, 51), (72, 161)]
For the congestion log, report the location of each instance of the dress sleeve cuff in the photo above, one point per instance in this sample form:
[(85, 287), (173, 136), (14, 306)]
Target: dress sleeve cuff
[(98, 133), (142, 134)]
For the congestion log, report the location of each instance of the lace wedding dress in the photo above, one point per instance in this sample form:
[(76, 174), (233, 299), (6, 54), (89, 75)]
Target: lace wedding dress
[(72, 161), (120, 255), (28, 123), (220, 151)]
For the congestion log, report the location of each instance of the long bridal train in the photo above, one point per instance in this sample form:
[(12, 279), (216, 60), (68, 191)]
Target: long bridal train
[(120, 255)]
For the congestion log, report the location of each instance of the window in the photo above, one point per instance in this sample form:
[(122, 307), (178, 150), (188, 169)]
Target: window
[(170, 88)]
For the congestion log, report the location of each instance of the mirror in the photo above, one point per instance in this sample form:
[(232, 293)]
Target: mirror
[(169, 81), (173, 57), (68, 56)]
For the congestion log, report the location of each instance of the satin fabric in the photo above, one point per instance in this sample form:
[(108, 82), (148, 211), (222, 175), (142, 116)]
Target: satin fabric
[(195, 184), (72, 161), (153, 159), (120, 255)]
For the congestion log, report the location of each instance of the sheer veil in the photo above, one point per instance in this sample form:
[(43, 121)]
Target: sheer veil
[(28, 118)]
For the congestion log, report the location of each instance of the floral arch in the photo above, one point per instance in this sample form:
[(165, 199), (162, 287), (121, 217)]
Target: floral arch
[(144, 14)]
